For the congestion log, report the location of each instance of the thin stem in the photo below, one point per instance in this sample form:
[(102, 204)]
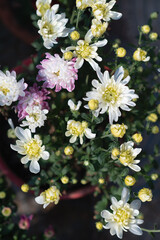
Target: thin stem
[(140, 38), (150, 230), (78, 15)]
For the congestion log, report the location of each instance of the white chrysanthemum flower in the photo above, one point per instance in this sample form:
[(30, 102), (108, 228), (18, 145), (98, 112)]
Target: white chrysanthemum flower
[(50, 195), (78, 129), (123, 217), (10, 89), (35, 118), (30, 147), (44, 5), (52, 26), (73, 106), (86, 51), (82, 4), (98, 28), (112, 94), (128, 154), (102, 10)]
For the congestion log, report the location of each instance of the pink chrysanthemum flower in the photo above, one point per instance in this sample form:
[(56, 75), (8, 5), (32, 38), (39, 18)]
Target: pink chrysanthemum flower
[(57, 72), (33, 97), (24, 222)]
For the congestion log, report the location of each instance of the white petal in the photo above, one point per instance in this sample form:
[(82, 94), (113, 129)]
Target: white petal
[(135, 167), (118, 76), (24, 160), (79, 63), (39, 200), (45, 205), (136, 204), (115, 15), (93, 64), (111, 4), (88, 36), (100, 43), (89, 134), (55, 7), (73, 139), (125, 195), (106, 214), (99, 74), (135, 229), (34, 167), (45, 155)]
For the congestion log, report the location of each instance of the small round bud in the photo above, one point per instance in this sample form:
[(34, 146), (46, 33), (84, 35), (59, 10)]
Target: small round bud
[(75, 35), (68, 150), (121, 52), (154, 176), (6, 211), (99, 226), (155, 129), (68, 55), (74, 181), (25, 187), (83, 181), (140, 55), (129, 180), (145, 29), (2, 195), (152, 117), (115, 45), (86, 163), (154, 15), (11, 133), (93, 104), (65, 180), (58, 153), (101, 180), (115, 152), (137, 137), (153, 36), (118, 130), (145, 194)]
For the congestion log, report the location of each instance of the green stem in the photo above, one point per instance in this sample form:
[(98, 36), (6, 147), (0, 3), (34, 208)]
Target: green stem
[(78, 15), (140, 38), (72, 17), (150, 230)]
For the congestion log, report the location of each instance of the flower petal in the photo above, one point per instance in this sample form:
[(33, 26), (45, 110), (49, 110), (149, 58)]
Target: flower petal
[(34, 167)]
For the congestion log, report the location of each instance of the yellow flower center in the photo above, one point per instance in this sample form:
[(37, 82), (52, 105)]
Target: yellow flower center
[(84, 50), (48, 28), (4, 90), (77, 128), (122, 215), (51, 195), (110, 94), (42, 8), (35, 116), (101, 9), (126, 157), (33, 148)]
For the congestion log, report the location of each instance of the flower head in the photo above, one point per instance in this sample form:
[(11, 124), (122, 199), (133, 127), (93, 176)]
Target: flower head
[(137, 137), (93, 104), (2, 195), (35, 118), (99, 226), (78, 129), (33, 97), (123, 216), (140, 55), (44, 5), (25, 187), (153, 36), (115, 153), (10, 89), (98, 28), (75, 35), (82, 4), (154, 176), (128, 154), (57, 72), (121, 52), (101, 180), (129, 180), (24, 222), (145, 29), (30, 147), (118, 130), (52, 26), (145, 194), (49, 232), (68, 150), (112, 94), (50, 195), (102, 10), (152, 117), (64, 179), (6, 211), (86, 51)]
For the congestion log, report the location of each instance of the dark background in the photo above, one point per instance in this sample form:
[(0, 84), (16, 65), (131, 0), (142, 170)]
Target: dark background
[(73, 219)]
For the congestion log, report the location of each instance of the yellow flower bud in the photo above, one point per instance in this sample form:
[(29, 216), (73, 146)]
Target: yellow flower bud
[(6, 211), (58, 153), (153, 36), (68, 150), (25, 187), (75, 35), (115, 152), (83, 181), (121, 52), (65, 180), (86, 163), (145, 194), (158, 108), (140, 55), (74, 181), (137, 137), (115, 45), (101, 180), (152, 117), (118, 130), (11, 133), (129, 180), (154, 15), (154, 176), (145, 29), (155, 129), (2, 195), (68, 55), (93, 104), (99, 226), (98, 28)]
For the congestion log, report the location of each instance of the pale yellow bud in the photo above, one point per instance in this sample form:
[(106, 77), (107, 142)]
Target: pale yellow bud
[(2, 195), (99, 226), (145, 29), (83, 181), (137, 137), (74, 181), (58, 153), (68, 150), (121, 52), (75, 35), (153, 36), (152, 117), (25, 187), (93, 104), (86, 163), (154, 176), (101, 180), (140, 55), (145, 194), (68, 55), (154, 15), (98, 28), (6, 211), (118, 130), (129, 180), (155, 129), (115, 45), (65, 180), (115, 152)]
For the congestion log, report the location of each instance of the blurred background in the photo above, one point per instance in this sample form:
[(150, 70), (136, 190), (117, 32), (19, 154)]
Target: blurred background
[(72, 219)]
